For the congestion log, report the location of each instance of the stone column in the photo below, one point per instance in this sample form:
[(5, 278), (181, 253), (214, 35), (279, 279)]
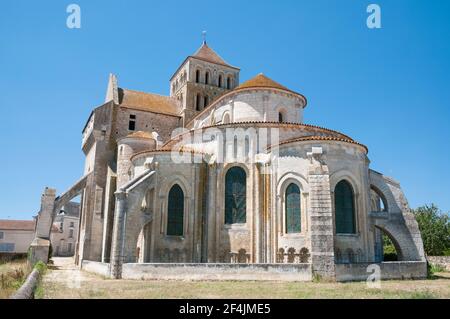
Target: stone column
[(39, 248), (322, 238), (212, 189), (117, 249)]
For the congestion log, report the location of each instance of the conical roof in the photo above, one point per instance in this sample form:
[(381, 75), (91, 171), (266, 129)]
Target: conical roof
[(262, 81), (205, 53)]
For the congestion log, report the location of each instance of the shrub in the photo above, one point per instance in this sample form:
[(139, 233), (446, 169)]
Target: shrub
[(434, 226)]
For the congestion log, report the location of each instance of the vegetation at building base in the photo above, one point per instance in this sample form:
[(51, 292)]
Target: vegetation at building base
[(12, 275), (434, 227), (390, 253)]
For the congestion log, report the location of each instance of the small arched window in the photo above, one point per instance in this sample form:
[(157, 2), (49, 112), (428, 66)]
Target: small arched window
[(205, 101), (226, 119), (175, 211), (219, 81), (197, 76), (198, 101), (344, 208), (207, 77), (280, 117), (229, 83), (292, 209), (235, 196)]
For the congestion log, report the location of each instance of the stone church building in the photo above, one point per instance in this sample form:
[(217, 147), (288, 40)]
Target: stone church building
[(224, 174)]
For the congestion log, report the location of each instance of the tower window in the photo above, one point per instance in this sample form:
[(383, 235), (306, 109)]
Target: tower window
[(207, 78), (197, 76), (132, 123), (219, 82), (280, 117), (228, 83), (197, 102), (205, 101)]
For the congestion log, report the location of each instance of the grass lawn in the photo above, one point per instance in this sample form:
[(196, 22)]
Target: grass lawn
[(86, 285), (12, 275)]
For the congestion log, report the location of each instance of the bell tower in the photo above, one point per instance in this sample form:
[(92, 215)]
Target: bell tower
[(201, 79)]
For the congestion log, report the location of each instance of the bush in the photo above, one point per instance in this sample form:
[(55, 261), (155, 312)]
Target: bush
[(434, 226), (389, 251), (41, 267)]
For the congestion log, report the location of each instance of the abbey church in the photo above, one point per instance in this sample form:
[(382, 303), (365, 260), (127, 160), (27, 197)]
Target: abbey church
[(224, 176)]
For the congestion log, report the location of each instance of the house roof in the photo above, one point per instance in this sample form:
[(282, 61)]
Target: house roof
[(6, 224), (149, 102)]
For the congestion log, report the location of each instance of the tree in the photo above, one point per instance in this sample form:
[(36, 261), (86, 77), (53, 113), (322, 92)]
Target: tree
[(434, 226)]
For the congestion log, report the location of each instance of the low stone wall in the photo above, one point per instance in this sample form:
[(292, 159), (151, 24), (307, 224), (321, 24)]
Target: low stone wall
[(389, 270), (279, 272), (96, 267), (26, 291), (443, 261)]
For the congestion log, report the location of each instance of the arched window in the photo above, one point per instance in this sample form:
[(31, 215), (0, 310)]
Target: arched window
[(235, 196), (197, 76), (219, 82), (228, 83), (207, 77), (197, 102), (226, 118), (292, 209), (175, 211), (344, 208), (205, 101), (280, 117)]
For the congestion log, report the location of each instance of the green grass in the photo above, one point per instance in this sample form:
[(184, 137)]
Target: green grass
[(101, 288)]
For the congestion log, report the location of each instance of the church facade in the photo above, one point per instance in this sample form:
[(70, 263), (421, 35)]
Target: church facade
[(223, 172)]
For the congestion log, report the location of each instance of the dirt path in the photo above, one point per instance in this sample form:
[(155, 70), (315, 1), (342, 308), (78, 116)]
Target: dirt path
[(64, 275)]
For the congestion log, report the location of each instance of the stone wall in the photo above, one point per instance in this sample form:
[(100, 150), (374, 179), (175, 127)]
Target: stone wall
[(96, 267), (443, 261), (279, 272), (388, 271)]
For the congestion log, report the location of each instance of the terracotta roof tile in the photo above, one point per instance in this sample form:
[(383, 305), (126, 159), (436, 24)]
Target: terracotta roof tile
[(320, 138), (6, 224), (205, 53), (149, 102), (141, 134), (262, 81)]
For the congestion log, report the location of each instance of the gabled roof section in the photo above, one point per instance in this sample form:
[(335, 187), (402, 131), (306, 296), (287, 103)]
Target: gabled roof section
[(149, 102)]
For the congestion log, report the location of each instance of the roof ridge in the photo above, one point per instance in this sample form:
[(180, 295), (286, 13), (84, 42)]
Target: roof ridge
[(150, 93)]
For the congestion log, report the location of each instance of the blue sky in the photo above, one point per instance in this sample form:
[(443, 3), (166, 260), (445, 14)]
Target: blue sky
[(387, 88)]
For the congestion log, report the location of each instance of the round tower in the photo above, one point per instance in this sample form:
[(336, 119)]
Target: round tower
[(127, 146)]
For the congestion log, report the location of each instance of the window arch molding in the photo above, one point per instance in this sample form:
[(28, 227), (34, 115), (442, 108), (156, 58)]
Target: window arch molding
[(283, 184), (225, 171), (226, 118), (164, 197)]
